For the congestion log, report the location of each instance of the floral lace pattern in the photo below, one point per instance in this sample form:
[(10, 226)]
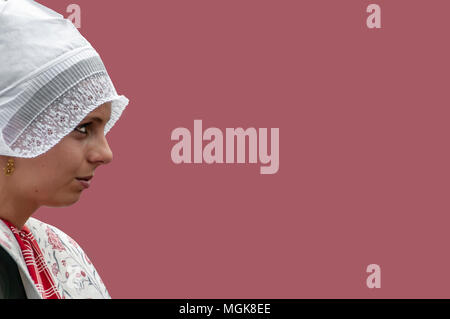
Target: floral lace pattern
[(63, 115)]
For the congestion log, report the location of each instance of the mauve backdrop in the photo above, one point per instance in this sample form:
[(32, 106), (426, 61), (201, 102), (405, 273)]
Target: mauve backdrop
[(364, 150)]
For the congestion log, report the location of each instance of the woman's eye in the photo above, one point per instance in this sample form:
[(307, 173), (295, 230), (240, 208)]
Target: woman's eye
[(81, 127)]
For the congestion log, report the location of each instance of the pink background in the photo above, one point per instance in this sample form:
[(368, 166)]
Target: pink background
[(364, 150)]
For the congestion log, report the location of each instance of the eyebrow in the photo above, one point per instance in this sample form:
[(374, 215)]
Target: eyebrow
[(95, 118)]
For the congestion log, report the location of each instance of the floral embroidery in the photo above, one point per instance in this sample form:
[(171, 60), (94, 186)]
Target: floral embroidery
[(54, 240), (74, 274), (55, 269), (66, 112)]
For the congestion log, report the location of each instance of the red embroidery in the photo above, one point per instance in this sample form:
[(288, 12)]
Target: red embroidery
[(54, 240)]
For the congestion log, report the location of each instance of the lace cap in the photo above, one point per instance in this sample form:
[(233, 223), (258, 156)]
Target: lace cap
[(51, 78)]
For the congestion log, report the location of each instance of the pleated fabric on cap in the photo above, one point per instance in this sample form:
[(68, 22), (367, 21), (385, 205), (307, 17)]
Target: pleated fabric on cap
[(51, 77)]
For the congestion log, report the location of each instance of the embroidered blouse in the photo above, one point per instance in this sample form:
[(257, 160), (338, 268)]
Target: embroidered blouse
[(50, 263)]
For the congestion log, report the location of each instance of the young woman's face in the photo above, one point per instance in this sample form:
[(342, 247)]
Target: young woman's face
[(51, 178)]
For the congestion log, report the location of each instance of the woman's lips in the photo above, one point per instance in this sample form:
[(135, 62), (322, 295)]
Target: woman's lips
[(83, 183)]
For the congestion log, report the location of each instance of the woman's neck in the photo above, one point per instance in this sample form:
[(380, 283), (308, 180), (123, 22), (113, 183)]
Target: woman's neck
[(15, 210)]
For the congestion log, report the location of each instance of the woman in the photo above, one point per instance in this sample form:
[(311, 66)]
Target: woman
[(57, 103)]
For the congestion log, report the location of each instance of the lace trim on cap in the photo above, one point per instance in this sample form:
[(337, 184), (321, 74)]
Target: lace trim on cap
[(63, 115)]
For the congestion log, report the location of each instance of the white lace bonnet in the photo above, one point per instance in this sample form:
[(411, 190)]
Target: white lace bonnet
[(50, 79)]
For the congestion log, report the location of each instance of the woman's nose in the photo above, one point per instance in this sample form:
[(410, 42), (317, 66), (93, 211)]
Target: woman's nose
[(102, 152), (108, 154)]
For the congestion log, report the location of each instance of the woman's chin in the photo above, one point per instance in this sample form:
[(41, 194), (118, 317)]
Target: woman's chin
[(65, 201)]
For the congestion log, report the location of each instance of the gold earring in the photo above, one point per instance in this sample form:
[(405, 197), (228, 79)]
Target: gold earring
[(9, 169)]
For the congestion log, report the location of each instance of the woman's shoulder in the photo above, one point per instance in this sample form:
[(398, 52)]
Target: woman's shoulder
[(68, 262), (53, 240), (53, 234)]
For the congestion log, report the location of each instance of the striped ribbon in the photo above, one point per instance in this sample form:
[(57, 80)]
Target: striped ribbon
[(35, 262)]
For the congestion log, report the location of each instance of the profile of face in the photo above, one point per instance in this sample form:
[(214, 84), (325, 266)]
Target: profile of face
[(51, 178)]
